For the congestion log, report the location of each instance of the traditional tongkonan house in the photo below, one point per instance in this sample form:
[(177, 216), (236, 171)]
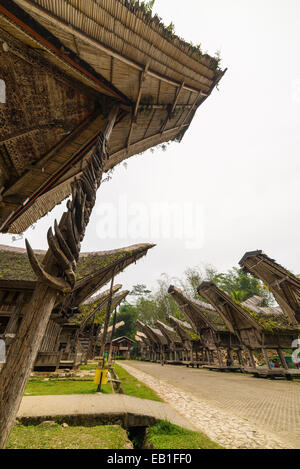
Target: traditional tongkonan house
[(121, 347), (219, 347), (143, 344), (256, 328), (87, 85), (190, 341), (158, 343), (175, 345), (284, 285), (68, 63), (94, 311), (94, 270)]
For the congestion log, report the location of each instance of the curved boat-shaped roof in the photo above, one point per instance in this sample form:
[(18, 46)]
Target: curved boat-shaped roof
[(284, 285), (239, 316), (201, 315), (94, 269), (72, 61)]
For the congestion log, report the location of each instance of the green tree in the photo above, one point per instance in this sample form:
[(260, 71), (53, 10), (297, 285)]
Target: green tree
[(139, 290), (129, 314), (241, 286)]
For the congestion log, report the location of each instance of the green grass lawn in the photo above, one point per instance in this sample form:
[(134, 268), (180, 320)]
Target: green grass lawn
[(57, 437), (165, 435), (52, 387), (89, 367), (133, 387)]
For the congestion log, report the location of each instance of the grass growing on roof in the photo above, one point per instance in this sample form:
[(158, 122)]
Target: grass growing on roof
[(165, 435), (55, 387), (54, 436), (133, 387)]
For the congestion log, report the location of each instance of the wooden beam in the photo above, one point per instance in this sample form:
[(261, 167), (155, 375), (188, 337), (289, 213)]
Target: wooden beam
[(170, 113), (143, 75)]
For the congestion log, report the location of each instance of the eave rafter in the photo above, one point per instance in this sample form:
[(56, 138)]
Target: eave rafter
[(143, 76)]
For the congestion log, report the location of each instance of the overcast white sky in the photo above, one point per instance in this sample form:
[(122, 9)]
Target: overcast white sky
[(237, 169)]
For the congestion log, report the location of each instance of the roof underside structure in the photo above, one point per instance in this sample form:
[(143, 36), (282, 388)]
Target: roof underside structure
[(169, 333), (183, 329), (284, 285), (65, 65), (154, 335), (239, 316), (201, 315), (94, 270), (95, 307), (110, 329)]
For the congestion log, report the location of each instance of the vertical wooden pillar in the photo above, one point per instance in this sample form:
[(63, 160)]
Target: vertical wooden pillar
[(252, 361), (220, 357), (282, 359), (112, 335), (265, 353), (64, 249)]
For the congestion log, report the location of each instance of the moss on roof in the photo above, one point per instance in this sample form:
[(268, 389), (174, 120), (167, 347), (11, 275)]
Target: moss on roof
[(14, 263), (168, 32), (90, 306), (215, 319), (271, 322)]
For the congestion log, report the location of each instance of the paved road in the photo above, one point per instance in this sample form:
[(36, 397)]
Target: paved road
[(272, 405)]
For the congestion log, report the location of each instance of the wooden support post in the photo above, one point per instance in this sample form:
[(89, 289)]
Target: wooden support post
[(12, 325), (282, 359), (240, 357), (265, 353), (56, 276), (220, 357), (252, 361), (107, 318), (112, 336)]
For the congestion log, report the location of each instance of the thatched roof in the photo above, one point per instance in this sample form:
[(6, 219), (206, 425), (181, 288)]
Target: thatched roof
[(154, 335), (75, 60), (98, 302), (109, 331), (94, 269), (240, 316), (201, 315), (169, 333), (140, 337), (183, 329), (284, 285)]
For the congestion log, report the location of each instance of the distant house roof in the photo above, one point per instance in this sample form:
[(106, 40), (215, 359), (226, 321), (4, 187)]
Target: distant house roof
[(169, 332), (121, 339), (239, 316), (100, 303), (284, 285), (200, 314), (184, 329)]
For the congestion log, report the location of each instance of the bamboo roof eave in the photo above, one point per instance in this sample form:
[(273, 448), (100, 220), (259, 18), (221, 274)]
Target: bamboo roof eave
[(37, 8), (180, 73)]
